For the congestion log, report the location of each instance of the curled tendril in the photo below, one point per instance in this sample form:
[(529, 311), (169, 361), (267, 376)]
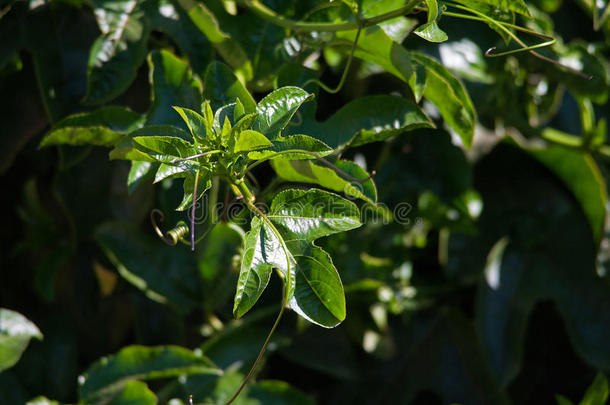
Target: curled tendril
[(345, 71), (506, 28), (172, 236)]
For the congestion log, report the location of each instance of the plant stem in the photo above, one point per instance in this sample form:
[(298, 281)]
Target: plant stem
[(260, 354), (524, 47), (345, 71), (267, 14), (193, 211)]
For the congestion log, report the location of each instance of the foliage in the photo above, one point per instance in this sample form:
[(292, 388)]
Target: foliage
[(470, 266)]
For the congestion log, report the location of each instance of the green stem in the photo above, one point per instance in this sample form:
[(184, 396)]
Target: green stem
[(504, 27), (193, 211), (345, 71), (211, 152), (260, 354), (267, 14)]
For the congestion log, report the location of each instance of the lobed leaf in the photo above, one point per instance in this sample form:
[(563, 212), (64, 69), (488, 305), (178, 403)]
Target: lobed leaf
[(318, 294), (262, 252), (313, 285)]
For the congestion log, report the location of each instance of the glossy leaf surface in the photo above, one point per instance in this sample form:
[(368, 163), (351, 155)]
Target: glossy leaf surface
[(15, 334)]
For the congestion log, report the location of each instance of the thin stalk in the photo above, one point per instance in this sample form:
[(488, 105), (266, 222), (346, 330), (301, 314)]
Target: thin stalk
[(210, 152), (345, 71), (260, 354), (266, 13), (524, 47), (193, 211)]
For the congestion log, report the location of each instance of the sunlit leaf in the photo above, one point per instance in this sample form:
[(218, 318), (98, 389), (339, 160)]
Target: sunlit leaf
[(15, 334)]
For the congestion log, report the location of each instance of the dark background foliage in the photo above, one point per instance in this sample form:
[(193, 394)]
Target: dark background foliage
[(451, 304)]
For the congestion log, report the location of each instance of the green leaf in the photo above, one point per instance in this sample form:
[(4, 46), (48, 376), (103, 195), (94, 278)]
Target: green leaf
[(270, 392), (134, 393), (222, 87), (450, 97), (164, 148), (300, 217), (15, 334), (262, 252), (103, 127), (277, 108), (289, 147), (249, 140), (194, 121), (166, 171), (42, 401), (371, 119), (597, 393), (127, 149), (561, 400), (138, 173), (164, 274), (229, 49), (305, 216), (518, 6), (111, 374), (173, 84), (430, 31), (318, 294), (308, 171), (118, 53)]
